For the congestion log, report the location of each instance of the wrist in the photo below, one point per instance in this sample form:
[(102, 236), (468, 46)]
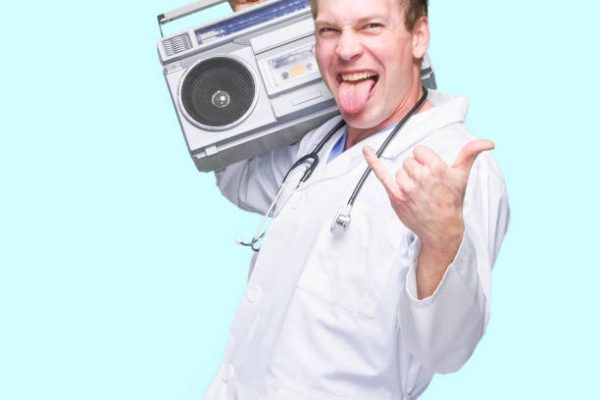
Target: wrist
[(434, 260), (446, 244)]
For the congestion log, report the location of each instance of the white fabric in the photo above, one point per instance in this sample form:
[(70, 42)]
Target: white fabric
[(335, 316)]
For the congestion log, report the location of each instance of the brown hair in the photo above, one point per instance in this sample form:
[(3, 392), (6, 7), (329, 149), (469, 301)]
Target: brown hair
[(415, 9)]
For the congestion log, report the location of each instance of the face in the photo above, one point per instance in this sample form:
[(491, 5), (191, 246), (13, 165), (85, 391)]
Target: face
[(368, 59)]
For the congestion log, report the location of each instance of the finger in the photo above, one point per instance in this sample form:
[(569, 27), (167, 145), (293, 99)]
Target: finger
[(236, 4), (469, 153), (380, 171), (425, 155), (413, 168), (405, 183)]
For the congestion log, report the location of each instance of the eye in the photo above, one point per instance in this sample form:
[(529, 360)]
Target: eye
[(326, 30), (373, 26)]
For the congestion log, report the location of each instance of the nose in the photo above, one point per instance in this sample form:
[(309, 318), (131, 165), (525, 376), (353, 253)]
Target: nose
[(348, 46)]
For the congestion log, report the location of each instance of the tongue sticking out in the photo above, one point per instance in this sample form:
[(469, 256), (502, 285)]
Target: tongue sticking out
[(353, 96)]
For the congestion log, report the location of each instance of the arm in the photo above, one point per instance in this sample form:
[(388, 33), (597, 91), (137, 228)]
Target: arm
[(443, 329), (252, 184), (428, 196), (458, 229)]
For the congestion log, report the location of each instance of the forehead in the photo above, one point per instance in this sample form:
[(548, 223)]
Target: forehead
[(348, 11)]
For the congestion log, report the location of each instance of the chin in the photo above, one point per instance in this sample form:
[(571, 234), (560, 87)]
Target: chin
[(362, 120)]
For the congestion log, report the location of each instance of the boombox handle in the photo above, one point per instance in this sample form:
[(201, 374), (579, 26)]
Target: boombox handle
[(184, 11)]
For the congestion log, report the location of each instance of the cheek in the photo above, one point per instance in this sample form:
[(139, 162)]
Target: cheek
[(325, 63), (322, 54), (390, 51)]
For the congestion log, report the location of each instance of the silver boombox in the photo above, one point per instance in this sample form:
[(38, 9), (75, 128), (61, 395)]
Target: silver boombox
[(247, 83)]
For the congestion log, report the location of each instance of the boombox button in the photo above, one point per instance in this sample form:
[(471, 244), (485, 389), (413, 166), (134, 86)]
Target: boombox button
[(307, 97)]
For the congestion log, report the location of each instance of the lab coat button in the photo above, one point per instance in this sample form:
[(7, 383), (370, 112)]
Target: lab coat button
[(253, 293), (227, 373)]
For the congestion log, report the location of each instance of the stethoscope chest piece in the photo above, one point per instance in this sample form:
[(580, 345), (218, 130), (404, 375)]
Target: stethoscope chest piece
[(342, 219)]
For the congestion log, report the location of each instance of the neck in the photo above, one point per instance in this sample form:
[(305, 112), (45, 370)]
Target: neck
[(356, 135)]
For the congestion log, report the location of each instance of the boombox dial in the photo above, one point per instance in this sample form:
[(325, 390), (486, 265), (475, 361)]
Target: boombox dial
[(217, 93)]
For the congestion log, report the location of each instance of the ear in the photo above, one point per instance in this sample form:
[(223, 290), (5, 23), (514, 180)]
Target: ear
[(420, 37)]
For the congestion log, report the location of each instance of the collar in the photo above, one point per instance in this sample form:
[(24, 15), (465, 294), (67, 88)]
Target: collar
[(447, 110)]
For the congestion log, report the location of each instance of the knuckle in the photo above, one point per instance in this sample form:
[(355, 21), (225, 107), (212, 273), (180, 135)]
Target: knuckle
[(437, 168), (423, 176), (419, 149), (399, 175), (406, 187)]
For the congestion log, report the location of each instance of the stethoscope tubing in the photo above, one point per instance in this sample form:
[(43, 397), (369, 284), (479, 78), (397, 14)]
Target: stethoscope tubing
[(385, 143), (344, 216), (313, 155)]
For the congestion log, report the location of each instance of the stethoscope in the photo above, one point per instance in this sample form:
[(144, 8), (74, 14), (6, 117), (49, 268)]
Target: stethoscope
[(343, 216)]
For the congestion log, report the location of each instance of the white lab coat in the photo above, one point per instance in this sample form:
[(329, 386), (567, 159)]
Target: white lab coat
[(335, 316)]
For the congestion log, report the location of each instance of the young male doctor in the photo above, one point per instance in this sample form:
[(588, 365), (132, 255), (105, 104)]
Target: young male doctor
[(373, 311)]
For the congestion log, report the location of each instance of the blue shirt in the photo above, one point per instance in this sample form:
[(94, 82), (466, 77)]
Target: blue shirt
[(338, 147)]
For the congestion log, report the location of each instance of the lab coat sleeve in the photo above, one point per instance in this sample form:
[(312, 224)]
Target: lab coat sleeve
[(441, 331), (252, 184)]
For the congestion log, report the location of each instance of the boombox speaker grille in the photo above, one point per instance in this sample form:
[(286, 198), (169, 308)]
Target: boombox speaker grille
[(217, 92)]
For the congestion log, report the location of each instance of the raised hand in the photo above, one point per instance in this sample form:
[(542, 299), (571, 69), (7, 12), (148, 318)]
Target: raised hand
[(428, 195)]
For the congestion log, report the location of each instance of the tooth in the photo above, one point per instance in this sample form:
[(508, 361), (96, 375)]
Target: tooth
[(358, 76)]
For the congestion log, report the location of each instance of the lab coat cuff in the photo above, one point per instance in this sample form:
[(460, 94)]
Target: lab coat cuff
[(461, 264)]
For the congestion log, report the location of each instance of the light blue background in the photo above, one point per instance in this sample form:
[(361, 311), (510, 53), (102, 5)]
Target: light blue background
[(119, 276)]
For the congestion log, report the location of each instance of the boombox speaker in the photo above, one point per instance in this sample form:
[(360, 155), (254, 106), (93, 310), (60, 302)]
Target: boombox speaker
[(217, 92), (247, 83)]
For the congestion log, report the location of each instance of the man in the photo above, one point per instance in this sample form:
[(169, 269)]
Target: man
[(374, 311)]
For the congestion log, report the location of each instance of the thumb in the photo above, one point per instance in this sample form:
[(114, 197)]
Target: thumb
[(469, 153)]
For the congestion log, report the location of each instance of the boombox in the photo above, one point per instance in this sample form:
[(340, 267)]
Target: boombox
[(247, 83)]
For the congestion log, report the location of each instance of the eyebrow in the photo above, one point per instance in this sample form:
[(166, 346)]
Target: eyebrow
[(359, 21)]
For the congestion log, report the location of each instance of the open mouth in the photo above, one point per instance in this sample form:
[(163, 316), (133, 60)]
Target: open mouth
[(355, 89), (357, 77)]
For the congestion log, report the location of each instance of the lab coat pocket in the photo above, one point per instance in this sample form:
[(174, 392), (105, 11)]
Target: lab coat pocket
[(349, 269)]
